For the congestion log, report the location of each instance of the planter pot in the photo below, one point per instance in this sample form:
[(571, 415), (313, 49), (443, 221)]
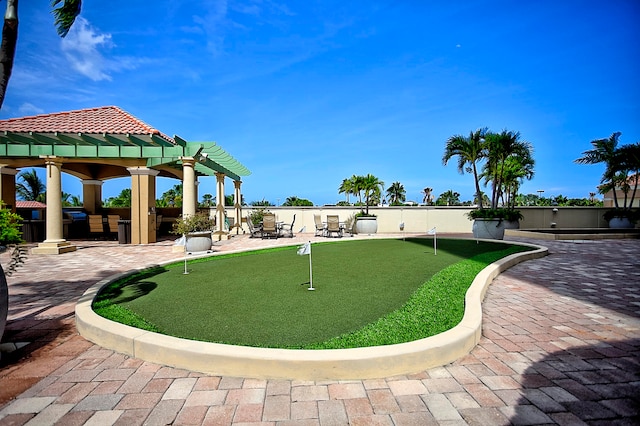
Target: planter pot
[(199, 241), (366, 225), (620, 223), (4, 301), (492, 229), (511, 224)]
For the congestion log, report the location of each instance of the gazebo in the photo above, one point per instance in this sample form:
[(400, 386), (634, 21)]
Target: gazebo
[(98, 144)]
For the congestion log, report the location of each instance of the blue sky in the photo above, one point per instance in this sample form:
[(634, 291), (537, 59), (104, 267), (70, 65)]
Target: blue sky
[(306, 94)]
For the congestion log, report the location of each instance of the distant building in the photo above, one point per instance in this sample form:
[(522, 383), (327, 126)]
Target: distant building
[(633, 181)]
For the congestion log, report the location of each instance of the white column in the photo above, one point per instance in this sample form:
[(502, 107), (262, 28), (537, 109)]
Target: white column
[(237, 198), (188, 186), (220, 233), (54, 242)]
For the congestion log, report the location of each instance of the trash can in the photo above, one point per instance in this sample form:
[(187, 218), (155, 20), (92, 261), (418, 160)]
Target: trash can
[(124, 232)]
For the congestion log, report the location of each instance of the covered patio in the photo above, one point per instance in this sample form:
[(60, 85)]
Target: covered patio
[(103, 143)]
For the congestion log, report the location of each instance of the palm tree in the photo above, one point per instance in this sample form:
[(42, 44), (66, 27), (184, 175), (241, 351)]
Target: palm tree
[(428, 197), (396, 193), (207, 200), (370, 185), (470, 150), (605, 151), (65, 16), (31, 188), (499, 147), (448, 198), (346, 187), (122, 200)]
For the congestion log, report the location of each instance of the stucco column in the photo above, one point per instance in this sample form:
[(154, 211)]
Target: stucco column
[(54, 242), (221, 233), (8, 187), (188, 186), (92, 195), (237, 198), (143, 205)]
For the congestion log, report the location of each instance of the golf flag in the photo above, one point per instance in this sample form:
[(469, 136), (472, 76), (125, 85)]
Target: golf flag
[(432, 231), (304, 249)]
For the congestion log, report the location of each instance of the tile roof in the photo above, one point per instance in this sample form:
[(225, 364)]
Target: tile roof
[(30, 205), (108, 119)]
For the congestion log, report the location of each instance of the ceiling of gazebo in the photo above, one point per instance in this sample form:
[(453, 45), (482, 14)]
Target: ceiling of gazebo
[(101, 143)]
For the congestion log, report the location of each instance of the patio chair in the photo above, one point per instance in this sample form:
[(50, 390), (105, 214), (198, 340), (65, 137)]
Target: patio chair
[(333, 226), (320, 227), (286, 229), (112, 220), (96, 226), (269, 227), (254, 230), (158, 224)]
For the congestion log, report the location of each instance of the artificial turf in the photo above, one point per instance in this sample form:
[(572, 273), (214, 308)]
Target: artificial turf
[(368, 292)]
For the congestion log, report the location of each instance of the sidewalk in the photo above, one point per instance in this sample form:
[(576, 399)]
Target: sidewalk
[(561, 344)]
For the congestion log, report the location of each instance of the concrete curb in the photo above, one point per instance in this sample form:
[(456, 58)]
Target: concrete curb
[(293, 364)]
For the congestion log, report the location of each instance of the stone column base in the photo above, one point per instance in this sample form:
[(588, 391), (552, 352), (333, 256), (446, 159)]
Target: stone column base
[(221, 236), (54, 247)]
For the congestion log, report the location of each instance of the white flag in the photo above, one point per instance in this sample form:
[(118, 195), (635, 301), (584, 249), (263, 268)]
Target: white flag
[(304, 249), (432, 231)]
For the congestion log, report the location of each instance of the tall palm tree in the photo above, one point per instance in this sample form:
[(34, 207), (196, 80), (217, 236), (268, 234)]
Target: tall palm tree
[(604, 151), (396, 193), (31, 188), (499, 147), (469, 150), (207, 200), (346, 187), (370, 185), (65, 16)]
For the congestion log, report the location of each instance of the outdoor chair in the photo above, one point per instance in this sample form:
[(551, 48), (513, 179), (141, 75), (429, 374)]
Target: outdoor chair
[(254, 230), (320, 227), (286, 229), (158, 224), (333, 226), (112, 221), (269, 227), (96, 226)]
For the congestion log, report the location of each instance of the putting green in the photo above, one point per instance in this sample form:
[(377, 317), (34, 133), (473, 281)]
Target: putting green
[(262, 299)]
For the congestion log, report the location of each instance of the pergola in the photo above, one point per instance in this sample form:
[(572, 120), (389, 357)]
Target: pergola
[(104, 143)]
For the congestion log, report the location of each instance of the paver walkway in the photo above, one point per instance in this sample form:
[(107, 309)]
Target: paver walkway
[(560, 345)]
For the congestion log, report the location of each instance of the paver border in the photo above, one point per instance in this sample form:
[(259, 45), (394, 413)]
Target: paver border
[(298, 364)]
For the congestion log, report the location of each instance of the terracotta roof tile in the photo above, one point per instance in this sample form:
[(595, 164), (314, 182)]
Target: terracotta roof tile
[(108, 119), (30, 205)]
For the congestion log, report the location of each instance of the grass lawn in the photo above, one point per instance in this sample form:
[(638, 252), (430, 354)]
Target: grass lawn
[(368, 292)]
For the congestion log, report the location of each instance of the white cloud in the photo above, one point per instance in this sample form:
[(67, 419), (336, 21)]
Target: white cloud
[(28, 108), (82, 48)]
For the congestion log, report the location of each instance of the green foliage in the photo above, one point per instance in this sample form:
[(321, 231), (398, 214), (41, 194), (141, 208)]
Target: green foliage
[(448, 198), (30, 187), (632, 215), (10, 227), (499, 213), (193, 223), (295, 201), (121, 200), (262, 203), (257, 214)]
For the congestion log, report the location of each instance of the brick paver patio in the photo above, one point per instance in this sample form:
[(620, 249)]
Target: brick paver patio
[(560, 345)]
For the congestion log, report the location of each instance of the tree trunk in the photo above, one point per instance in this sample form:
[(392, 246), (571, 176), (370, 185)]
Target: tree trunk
[(8, 47)]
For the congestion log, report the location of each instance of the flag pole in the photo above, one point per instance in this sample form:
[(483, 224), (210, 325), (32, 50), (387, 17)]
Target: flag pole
[(310, 270), (185, 256)]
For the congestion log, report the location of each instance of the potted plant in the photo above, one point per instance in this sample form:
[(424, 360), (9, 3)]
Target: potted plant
[(10, 236), (621, 218), (620, 178), (196, 229), (491, 223), (366, 223)]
